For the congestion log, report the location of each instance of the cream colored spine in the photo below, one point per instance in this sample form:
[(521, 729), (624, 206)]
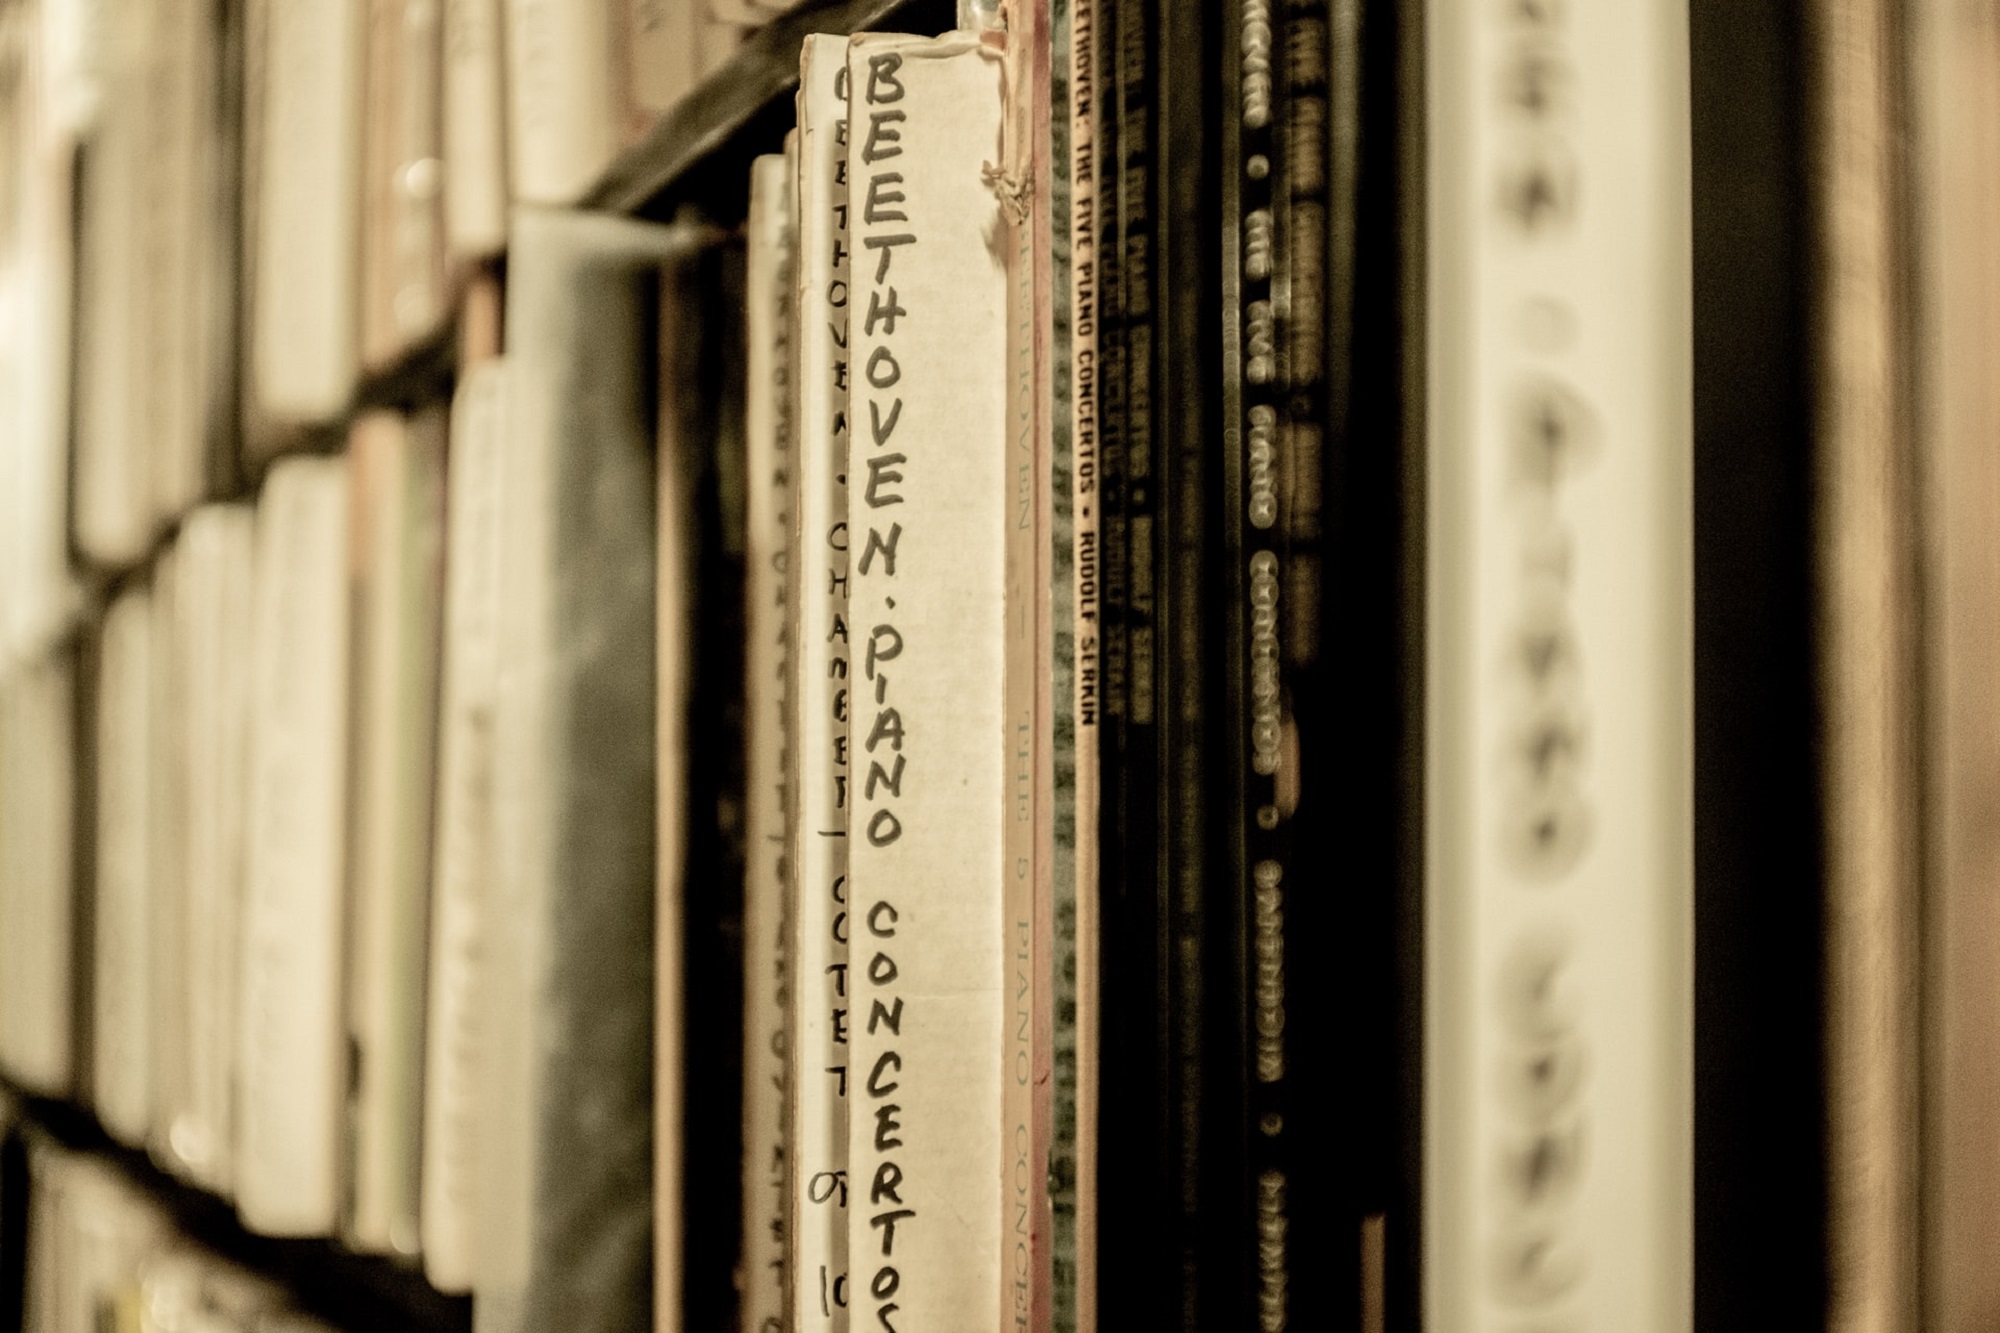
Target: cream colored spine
[(822, 1008), (1558, 1046), (929, 778)]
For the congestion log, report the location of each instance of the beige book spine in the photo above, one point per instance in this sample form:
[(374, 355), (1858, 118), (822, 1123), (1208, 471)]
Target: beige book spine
[(465, 832), (1954, 77), (256, 48), (822, 1007), (161, 136), (768, 662), (178, 73), (213, 563), (1867, 553), (382, 96), (112, 502), (166, 973), (210, 254), (293, 1048), (1558, 1050), (120, 1080), (399, 464), (474, 130), (39, 592), (403, 229), (927, 536), (36, 900), (224, 837), (561, 125), (76, 50), (417, 264), (304, 325)]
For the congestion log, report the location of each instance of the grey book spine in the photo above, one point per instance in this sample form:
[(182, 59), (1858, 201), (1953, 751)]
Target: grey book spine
[(566, 1181)]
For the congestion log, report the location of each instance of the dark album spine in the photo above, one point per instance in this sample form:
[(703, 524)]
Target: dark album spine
[(716, 853), (1283, 231), (700, 317), (1183, 272), (1249, 36), (1127, 1189), (1146, 1274)]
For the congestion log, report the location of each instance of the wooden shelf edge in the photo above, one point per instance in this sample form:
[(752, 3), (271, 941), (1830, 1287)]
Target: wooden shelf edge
[(353, 1292), (646, 177), (424, 373)]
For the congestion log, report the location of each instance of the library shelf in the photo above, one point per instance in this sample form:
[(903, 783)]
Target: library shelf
[(693, 162)]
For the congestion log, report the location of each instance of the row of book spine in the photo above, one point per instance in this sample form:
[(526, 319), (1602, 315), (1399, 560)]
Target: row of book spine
[(363, 939), (275, 200), (1114, 595), (918, 1116)]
